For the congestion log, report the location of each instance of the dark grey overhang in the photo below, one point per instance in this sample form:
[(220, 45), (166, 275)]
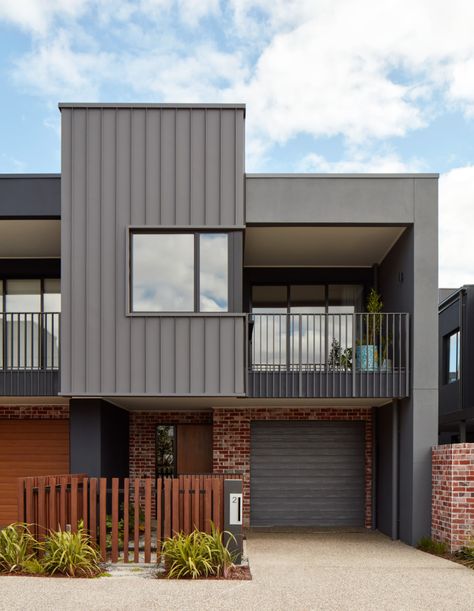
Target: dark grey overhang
[(147, 105), (30, 196)]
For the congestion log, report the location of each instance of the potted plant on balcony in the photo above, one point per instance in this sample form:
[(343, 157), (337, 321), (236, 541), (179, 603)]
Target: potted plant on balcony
[(367, 349)]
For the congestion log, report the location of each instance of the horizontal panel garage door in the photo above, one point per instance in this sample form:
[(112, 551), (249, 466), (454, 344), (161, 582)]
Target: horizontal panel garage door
[(307, 474), (28, 448)]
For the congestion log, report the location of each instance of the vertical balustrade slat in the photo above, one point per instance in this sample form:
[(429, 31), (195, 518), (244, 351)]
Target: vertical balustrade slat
[(175, 506), (74, 504), (167, 507), (115, 518), (148, 520), (159, 517), (85, 488), (63, 502), (41, 484), (126, 517), (103, 517), (195, 512), (93, 509), (207, 504), (136, 521), (186, 504)]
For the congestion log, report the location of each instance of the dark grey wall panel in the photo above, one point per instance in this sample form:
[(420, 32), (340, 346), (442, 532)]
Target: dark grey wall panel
[(307, 474), (146, 167), (30, 196)]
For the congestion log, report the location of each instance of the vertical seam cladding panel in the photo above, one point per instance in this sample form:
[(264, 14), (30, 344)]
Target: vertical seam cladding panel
[(98, 360)]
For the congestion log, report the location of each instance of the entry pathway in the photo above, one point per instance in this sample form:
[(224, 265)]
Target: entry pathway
[(291, 571)]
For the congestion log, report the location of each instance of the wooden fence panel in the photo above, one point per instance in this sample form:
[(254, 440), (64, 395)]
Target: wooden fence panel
[(126, 517), (182, 504), (93, 509), (115, 518), (136, 523), (103, 517), (148, 520)]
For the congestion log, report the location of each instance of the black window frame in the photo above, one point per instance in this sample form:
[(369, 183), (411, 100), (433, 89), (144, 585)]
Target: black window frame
[(447, 354), (197, 270)]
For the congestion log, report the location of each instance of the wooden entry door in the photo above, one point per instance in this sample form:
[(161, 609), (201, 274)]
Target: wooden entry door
[(194, 449)]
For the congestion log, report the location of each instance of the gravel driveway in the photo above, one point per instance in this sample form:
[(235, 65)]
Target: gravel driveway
[(290, 571)]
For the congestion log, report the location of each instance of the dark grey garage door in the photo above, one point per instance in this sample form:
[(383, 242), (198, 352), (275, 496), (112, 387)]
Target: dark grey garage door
[(307, 474)]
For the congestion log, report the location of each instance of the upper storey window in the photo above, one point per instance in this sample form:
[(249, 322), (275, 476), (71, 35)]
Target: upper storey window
[(179, 272)]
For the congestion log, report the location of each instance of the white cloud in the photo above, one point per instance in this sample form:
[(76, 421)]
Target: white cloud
[(456, 220), (359, 162), (37, 15)]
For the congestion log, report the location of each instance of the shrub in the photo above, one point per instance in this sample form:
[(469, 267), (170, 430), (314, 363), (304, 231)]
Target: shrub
[(198, 554), (467, 554), (426, 544), (71, 553), (17, 548)]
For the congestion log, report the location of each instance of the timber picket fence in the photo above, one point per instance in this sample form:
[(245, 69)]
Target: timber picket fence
[(153, 509)]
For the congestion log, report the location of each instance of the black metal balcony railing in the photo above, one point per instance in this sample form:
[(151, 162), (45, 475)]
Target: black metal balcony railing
[(329, 355), (29, 353)]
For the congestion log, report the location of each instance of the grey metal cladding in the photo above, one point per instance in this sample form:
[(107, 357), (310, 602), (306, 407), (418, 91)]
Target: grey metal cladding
[(145, 167)]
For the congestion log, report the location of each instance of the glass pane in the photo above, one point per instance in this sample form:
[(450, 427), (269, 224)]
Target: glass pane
[(165, 451), (23, 296), (269, 328), (213, 281), (163, 272), (52, 295), (307, 298), (269, 298), (1, 295), (345, 298), (453, 360)]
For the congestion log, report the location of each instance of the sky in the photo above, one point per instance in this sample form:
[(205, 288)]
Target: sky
[(330, 85)]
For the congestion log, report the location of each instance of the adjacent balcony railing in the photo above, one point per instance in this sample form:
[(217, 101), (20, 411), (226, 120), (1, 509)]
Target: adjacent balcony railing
[(29, 353), (329, 355)]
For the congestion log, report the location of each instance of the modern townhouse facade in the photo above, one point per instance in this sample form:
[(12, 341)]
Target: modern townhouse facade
[(213, 321)]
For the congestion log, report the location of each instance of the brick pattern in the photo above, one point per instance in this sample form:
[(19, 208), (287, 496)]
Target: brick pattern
[(34, 412), (453, 494), (231, 441), (142, 436)]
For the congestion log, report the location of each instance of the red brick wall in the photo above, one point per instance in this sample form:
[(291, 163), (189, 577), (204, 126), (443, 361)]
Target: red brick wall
[(31, 412), (453, 494), (142, 436), (231, 440)]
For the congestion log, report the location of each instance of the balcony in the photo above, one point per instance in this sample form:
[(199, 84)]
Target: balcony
[(329, 355), (29, 354)]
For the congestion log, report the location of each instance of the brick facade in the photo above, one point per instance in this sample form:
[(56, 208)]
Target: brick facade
[(142, 436), (453, 494), (231, 441), (34, 412)]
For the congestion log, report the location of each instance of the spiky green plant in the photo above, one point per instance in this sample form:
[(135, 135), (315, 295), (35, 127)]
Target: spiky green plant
[(426, 544), (71, 553), (17, 548), (467, 554), (198, 554)]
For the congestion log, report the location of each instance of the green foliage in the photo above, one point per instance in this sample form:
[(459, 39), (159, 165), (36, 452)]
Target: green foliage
[(426, 544), (71, 553), (198, 554), (17, 548), (338, 357), (121, 525), (33, 566), (374, 302), (467, 554)]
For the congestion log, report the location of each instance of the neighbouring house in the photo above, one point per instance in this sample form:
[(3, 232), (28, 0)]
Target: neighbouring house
[(213, 321), (456, 356)]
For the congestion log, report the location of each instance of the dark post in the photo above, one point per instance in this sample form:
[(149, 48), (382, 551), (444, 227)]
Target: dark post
[(233, 510)]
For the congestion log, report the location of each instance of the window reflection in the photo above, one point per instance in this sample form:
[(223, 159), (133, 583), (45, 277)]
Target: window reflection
[(213, 284), (163, 272)]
